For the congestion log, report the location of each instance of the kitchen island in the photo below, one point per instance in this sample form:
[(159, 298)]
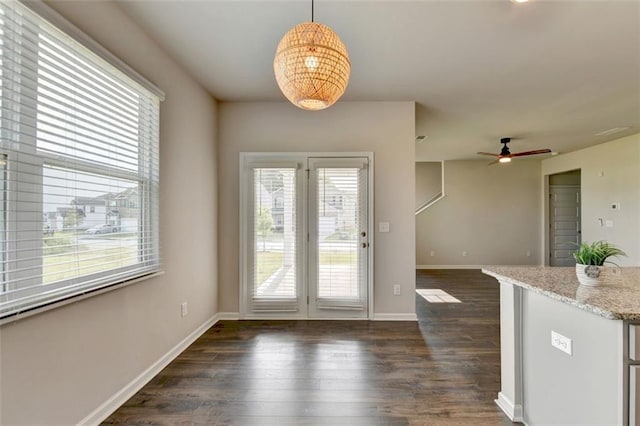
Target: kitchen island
[(569, 354)]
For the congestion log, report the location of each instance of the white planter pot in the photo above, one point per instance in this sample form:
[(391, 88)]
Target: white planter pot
[(590, 275)]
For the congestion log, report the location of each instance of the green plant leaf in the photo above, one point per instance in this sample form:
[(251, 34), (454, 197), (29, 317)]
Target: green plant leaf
[(596, 253)]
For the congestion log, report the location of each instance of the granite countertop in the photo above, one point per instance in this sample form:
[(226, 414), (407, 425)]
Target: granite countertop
[(618, 299)]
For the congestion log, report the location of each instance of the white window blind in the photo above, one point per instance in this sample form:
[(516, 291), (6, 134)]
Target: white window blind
[(79, 166), (341, 261), (272, 266)]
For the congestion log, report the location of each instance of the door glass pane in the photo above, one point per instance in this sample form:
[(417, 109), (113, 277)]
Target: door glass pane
[(274, 233), (338, 227)]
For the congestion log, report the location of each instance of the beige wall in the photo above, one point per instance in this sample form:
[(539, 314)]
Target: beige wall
[(428, 181), (59, 366), (385, 128), (565, 178), (491, 212), (610, 173)]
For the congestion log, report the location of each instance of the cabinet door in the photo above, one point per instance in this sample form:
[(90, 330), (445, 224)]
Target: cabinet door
[(634, 395), (634, 342)]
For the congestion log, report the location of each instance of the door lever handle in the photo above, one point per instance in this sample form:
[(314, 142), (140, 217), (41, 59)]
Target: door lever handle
[(365, 245)]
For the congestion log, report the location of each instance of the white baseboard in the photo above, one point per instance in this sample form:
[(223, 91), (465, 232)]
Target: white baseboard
[(395, 317), (449, 266), (229, 316), (514, 412), (112, 404)]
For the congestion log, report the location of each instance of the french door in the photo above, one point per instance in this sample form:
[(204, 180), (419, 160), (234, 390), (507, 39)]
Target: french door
[(305, 242)]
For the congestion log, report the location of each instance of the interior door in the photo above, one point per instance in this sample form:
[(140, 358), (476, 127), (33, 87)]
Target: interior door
[(338, 237), (564, 223)]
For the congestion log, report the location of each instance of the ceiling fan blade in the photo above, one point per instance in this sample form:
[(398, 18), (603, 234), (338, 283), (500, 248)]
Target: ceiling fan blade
[(536, 152), (493, 162), (488, 153)]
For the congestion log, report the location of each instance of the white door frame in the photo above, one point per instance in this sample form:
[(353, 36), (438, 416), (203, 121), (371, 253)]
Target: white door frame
[(244, 159)]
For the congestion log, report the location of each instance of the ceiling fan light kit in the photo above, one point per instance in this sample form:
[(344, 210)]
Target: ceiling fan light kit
[(505, 155), (312, 66)]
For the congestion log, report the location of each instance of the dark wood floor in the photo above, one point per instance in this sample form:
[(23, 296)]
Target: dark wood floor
[(443, 370)]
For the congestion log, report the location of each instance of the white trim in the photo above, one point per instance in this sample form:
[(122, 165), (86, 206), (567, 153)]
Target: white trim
[(450, 266), (77, 298), (308, 154), (281, 317), (120, 397), (429, 203), (514, 412), (62, 23), (371, 231), (395, 317), (228, 316)]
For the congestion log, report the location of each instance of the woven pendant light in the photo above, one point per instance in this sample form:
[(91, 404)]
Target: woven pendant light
[(312, 66)]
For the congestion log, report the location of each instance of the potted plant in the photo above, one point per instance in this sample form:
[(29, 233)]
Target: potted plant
[(590, 258)]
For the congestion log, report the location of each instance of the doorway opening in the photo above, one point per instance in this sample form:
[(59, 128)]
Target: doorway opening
[(564, 217)]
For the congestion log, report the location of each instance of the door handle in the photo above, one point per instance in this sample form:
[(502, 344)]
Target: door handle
[(363, 234), (365, 245)]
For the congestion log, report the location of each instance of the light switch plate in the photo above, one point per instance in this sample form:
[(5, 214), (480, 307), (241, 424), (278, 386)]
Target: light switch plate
[(561, 342), (608, 223), (384, 226)]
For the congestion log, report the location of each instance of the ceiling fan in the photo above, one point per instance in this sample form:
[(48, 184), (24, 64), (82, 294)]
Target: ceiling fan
[(505, 155)]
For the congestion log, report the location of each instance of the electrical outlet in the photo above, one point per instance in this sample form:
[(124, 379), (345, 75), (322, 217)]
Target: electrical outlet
[(184, 309), (528, 253), (464, 254), (561, 342), (396, 290), (433, 253)]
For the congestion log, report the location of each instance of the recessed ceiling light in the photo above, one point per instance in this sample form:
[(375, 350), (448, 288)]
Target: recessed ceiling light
[(612, 131), (519, 1)]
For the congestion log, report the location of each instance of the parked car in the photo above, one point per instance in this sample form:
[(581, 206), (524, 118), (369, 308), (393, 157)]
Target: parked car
[(102, 229)]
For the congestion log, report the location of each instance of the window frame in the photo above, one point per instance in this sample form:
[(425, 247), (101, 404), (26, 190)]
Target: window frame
[(148, 242)]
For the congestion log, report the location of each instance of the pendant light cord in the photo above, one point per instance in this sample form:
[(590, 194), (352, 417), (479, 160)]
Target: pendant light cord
[(312, 11)]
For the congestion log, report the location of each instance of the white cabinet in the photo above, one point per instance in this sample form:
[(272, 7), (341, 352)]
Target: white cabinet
[(634, 375)]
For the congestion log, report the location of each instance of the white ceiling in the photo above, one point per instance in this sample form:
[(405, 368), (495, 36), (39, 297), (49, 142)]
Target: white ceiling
[(553, 73)]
